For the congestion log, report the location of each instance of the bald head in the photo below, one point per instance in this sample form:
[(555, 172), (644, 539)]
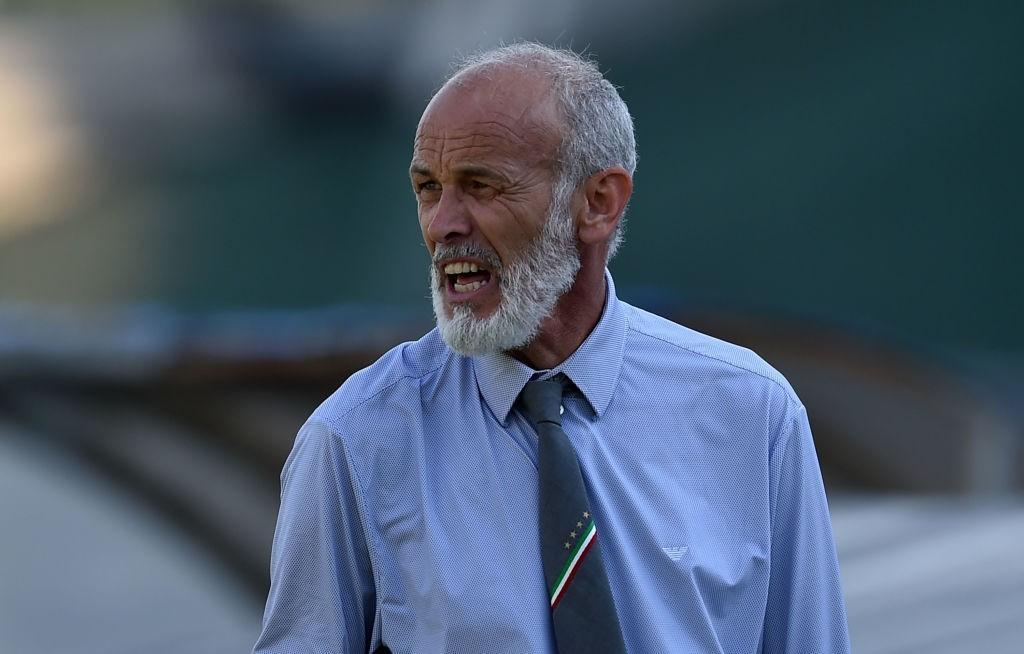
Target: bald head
[(505, 105)]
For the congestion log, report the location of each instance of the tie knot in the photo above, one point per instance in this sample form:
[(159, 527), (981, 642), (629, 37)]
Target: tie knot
[(542, 399)]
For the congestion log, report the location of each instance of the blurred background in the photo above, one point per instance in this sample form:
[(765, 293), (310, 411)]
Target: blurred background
[(206, 224)]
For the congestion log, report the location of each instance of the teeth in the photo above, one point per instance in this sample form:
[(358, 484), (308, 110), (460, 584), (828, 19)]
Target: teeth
[(468, 288), (461, 267)]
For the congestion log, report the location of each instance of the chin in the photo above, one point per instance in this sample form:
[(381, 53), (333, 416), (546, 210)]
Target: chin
[(477, 310), (468, 332)]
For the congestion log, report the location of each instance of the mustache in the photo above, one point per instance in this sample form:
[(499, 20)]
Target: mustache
[(460, 250)]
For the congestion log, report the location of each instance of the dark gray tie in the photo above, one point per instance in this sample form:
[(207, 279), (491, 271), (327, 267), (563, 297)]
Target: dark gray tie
[(582, 608)]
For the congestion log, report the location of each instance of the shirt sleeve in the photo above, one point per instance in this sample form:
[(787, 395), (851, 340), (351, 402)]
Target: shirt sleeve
[(805, 611), (322, 593)]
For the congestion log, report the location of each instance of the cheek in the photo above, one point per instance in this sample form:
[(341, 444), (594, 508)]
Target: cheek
[(508, 228)]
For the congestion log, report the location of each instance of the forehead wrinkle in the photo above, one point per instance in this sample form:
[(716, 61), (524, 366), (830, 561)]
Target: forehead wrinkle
[(506, 145), (513, 129), (474, 131), (510, 134), (461, 158)]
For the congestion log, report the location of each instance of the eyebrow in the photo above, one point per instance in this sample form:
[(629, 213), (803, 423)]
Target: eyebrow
[(480, 171), (419, 169), (468, 170)]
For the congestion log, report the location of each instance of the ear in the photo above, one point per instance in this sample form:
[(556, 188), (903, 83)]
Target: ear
[(605, 194)]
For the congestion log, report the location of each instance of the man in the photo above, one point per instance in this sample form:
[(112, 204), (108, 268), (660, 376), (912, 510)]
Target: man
[(425, 504)]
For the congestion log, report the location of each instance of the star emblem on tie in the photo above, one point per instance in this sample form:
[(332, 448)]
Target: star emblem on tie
[(586, 515), (568, 546), (572, 534), (579, 525)]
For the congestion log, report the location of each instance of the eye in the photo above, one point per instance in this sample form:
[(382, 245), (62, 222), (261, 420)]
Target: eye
[(481, 188), (428, 186)]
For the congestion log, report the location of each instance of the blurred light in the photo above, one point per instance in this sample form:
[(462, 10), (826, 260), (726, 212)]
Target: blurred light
[(40, 152)]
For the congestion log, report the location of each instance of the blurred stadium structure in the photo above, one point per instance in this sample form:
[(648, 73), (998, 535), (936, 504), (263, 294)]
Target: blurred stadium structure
[(205, 226)]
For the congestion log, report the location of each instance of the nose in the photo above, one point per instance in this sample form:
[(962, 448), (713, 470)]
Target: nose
[(451, 220)]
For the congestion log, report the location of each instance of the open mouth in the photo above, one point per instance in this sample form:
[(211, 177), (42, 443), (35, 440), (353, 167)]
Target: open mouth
[(465, 277)]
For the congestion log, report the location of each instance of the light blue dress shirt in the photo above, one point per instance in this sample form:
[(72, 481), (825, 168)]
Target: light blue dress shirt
[(409, 503)]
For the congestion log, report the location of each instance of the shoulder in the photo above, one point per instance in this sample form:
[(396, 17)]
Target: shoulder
[(394, 378), (695, 356)]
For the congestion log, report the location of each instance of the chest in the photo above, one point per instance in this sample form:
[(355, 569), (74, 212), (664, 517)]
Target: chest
[(458, 564)]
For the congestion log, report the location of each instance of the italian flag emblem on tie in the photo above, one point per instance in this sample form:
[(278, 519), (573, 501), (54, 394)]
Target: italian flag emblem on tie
[(577, 545)]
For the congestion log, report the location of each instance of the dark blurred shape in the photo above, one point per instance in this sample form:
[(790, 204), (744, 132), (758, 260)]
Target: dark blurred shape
[(885, 416), (196, 417), (308, 78)]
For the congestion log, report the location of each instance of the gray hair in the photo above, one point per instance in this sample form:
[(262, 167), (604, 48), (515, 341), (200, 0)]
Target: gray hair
[(599, 129)]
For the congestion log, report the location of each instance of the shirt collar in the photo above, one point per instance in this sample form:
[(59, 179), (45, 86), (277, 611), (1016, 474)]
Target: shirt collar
[(594, 367)]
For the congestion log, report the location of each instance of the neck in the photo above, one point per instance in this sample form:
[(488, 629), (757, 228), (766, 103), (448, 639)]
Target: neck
[(574, 317)]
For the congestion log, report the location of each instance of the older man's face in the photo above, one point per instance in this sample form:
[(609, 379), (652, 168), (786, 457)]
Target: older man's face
[(483, 172)]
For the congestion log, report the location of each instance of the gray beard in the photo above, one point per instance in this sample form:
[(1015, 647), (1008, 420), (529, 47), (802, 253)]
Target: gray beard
[(529, 287)]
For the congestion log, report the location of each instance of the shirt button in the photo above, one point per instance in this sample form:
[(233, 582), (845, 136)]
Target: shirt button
[(561, 409)]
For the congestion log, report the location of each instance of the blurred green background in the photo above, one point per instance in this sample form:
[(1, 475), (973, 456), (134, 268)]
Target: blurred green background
[(853, 161)]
